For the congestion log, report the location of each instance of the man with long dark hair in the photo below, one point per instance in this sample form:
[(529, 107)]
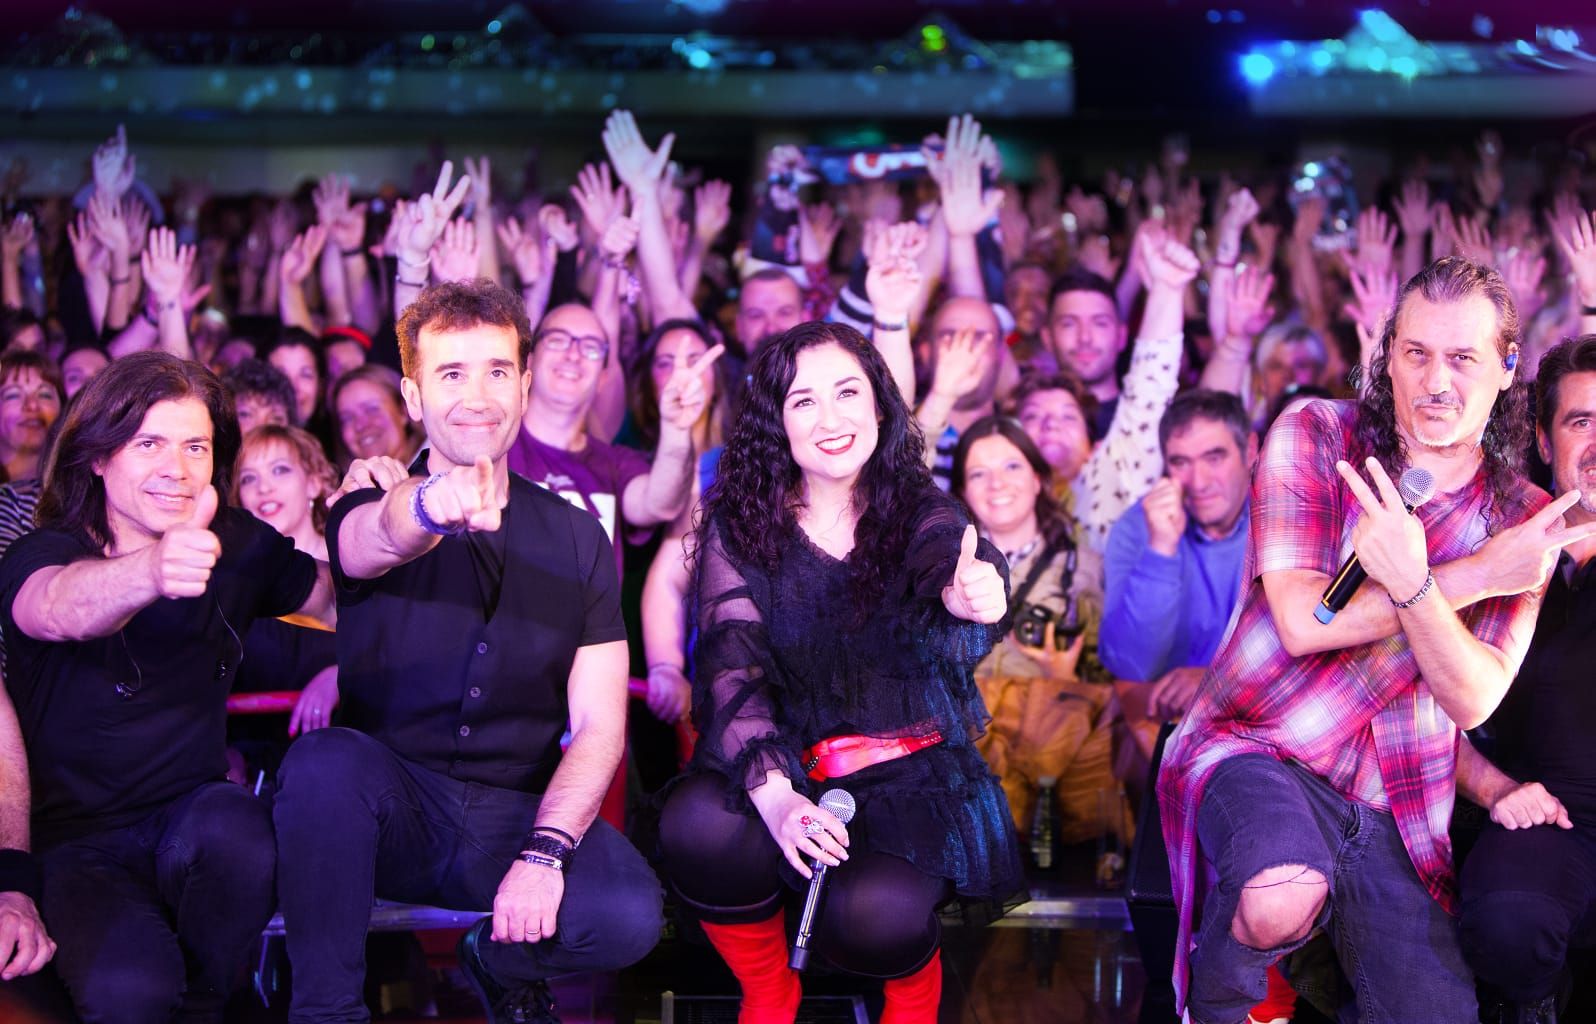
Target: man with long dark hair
[(480, 615), (1314, 771), (123, 615)]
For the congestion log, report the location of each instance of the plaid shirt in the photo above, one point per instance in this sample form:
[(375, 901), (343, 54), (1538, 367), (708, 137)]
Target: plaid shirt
[(1361, 718)]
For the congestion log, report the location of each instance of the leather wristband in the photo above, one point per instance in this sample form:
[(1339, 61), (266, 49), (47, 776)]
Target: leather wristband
[(543, 849), (19, 872)]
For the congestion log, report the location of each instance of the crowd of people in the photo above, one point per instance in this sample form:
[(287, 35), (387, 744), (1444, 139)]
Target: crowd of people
[(949, 490)]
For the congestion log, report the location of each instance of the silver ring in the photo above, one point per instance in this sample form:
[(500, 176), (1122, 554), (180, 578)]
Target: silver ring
[(814, 828)]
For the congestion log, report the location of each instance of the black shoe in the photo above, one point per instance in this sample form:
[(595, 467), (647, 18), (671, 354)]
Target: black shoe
[(1542, 1011), (525, 1004)]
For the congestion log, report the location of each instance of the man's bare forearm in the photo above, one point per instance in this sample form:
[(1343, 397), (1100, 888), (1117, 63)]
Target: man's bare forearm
[(1368, 617), (92, 597), (1478, 780), (597, 693), (15, 793), (382, 535)]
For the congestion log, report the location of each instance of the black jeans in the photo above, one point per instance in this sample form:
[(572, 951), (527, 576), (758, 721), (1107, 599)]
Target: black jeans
[(1528, 894), (356, 821), (157, 917)]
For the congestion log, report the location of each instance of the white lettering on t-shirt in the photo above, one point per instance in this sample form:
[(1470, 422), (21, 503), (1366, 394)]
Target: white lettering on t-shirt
[(603, 506)]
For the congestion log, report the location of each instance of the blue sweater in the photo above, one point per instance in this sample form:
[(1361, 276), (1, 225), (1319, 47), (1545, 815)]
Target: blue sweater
[(1165, 613)]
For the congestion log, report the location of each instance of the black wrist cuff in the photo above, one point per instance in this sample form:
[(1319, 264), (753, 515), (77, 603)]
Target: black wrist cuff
[(19, 872), (546, 845)]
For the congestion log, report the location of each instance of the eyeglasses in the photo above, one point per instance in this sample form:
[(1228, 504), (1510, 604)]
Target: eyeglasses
[(591, 347)]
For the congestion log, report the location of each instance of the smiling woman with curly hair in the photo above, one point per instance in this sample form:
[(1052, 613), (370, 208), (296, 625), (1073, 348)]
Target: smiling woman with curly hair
[(841, 603)]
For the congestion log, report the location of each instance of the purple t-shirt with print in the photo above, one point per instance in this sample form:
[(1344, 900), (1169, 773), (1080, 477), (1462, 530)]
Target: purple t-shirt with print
[(593, 478)]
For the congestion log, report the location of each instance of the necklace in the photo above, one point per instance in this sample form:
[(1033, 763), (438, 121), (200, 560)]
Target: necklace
[(1023, 551)]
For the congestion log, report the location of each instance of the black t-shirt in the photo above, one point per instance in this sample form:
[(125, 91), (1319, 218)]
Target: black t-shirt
[(99, 759), (430, 665), (1545, 724)]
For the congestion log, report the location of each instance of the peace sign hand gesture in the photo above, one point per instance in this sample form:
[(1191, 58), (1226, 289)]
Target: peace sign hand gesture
[(685, 394), (1388, 539)]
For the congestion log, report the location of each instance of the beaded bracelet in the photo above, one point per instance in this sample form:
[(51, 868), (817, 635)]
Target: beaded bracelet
[(1429, 581)]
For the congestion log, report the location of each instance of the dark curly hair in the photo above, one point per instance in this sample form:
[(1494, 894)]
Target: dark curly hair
[(1507, 432), (757, 493)]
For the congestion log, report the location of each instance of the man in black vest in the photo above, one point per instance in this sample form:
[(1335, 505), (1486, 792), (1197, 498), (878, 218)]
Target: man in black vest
[(479, 614)]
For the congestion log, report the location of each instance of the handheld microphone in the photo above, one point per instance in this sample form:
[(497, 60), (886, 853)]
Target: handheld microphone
[(1417, 486), (839, 804)]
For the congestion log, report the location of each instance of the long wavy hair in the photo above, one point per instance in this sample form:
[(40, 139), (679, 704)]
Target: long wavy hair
[(105, 416), (1507, 431), (756, 495), (1053, 522)]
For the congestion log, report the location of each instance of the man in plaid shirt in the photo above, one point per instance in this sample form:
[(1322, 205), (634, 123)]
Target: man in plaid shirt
[(1311, 783)]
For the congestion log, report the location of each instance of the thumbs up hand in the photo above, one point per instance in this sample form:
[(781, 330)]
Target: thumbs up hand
[(182, 560), (975, 593)]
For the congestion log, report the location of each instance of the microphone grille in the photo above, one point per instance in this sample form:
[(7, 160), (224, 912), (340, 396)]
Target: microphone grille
[(839, 804), (1417, 486)]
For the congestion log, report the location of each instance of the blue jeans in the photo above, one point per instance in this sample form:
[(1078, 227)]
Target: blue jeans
[(157, 918), (1396, 946), (356, 821)]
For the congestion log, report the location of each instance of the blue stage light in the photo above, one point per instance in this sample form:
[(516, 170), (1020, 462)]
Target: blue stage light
[(1256, 68)]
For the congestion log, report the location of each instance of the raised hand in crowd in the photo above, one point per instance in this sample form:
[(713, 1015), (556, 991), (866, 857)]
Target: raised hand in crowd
[(968, 206), (419, 226), (642, 170), (480, 171), (1575, 234), (15, 236), (167, 267), (1375, 242), (686, 392), (114, 167), (1414, 215), (454, 256), (711, 211)]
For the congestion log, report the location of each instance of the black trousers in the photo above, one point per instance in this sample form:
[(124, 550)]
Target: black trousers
[(879, 917), (158, 917), (1528, 894), (356, 821)]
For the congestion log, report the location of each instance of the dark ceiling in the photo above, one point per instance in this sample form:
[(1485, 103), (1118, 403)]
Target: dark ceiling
[(791, 19)]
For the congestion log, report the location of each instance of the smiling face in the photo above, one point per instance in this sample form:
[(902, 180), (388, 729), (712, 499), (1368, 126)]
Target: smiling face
[(28, 405), (1445, 371), (151, 482), (370, 422), (467, 392), (1000, 485), (274, 486), (830, 416), (563, 377), (1085, 333)]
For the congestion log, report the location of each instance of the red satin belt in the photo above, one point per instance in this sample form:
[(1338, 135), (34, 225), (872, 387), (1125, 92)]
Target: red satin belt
[(843, 755)]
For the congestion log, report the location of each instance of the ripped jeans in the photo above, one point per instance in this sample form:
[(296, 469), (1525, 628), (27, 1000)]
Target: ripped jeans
[(1397, 948)]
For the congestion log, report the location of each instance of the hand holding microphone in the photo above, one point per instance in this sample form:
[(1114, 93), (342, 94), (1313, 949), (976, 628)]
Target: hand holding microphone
[(837, 803), (1388, 544)]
